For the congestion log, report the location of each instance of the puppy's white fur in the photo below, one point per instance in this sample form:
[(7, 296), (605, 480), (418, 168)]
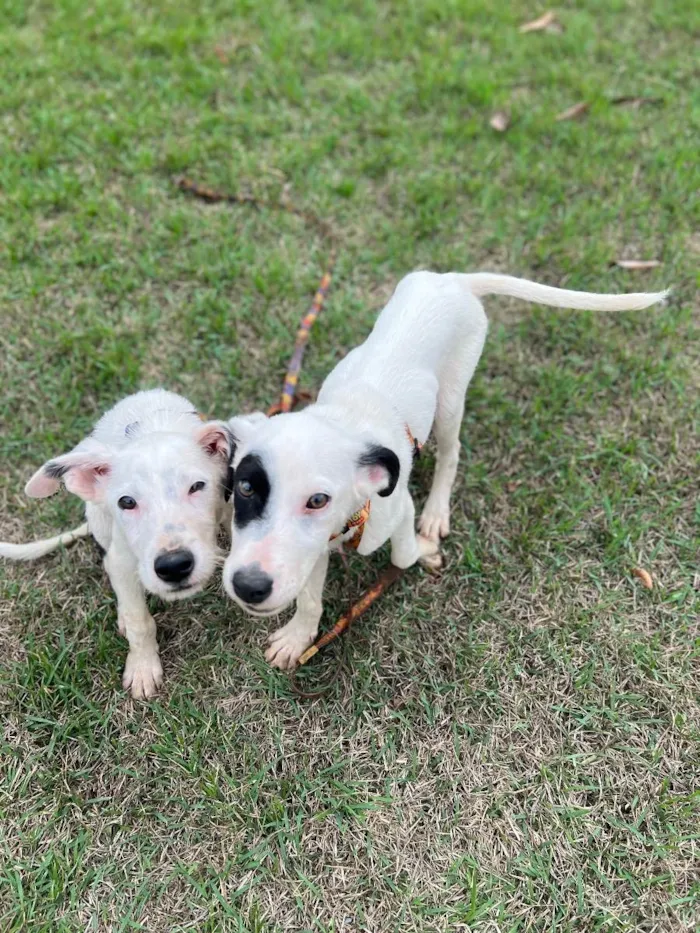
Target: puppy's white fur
[(413, 370), (153, 448)]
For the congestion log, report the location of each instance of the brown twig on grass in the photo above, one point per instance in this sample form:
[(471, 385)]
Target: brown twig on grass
[(211, 196), (345, 621)]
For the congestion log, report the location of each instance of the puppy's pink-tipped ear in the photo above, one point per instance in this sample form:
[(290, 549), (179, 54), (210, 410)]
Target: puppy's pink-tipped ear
[(82, 471), (378, 471), (216, 439)]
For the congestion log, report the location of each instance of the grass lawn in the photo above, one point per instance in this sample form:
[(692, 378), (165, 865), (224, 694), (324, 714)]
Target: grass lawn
[(511, 747)]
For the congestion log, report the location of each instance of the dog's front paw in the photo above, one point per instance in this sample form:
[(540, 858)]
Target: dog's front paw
[(430, 556), (434, 522), (287, 645), (143, 674)]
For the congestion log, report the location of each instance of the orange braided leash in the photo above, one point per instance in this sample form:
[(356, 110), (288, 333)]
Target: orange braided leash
[(357, 520), (345, 621), (289, 389)]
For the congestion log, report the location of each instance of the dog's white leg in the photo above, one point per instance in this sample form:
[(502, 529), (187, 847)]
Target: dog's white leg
[(407, 547), (143, 673), (454, 382), (288, 643)]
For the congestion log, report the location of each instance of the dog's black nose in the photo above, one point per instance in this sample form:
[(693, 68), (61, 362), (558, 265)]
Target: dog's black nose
[(174, 566), (252, 585)]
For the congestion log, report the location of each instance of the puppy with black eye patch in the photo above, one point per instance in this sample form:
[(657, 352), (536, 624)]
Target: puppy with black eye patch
[(251, 490), (156, 481), (338, 471)]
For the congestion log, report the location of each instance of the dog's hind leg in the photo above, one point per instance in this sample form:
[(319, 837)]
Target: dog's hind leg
[(435, 519), (143, 673), (454, 381)]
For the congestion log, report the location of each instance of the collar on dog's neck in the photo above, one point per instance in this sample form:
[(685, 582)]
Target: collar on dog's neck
[(359, 519), (414, 442)]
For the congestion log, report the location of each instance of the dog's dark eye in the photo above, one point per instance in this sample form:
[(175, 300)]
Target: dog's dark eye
[(196, 487), (318, 501), (127, 503), (245, 488)]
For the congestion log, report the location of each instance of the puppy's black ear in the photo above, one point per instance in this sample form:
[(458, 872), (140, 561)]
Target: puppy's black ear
[(379, 471)]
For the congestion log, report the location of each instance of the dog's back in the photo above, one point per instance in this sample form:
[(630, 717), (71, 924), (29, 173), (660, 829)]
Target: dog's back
[(424, 318)]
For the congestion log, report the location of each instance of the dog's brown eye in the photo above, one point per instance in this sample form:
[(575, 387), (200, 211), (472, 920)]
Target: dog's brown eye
[(196, 487), (245, 488), (127, 503), (318, 500)]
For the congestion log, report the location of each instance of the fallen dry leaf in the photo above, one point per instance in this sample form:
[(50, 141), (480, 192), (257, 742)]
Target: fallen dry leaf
[(500, 121), (637, 263), (542, 22), (572, 112), (644, 576), (636, 102), (221, 54)]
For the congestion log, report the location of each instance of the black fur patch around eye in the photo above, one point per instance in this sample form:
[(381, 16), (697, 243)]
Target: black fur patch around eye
[(382, 456), (249, 508), (55, 470)]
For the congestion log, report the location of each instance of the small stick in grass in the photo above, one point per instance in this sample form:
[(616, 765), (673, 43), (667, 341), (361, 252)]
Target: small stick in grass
[(644, 576), (211, 196)]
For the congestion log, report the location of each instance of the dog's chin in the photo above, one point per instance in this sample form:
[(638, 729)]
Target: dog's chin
[(184, 590), (263, 613)]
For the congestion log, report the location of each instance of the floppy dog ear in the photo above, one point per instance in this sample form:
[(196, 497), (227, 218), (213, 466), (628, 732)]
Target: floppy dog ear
[(82, 471), (216, 440), (243, 426), (378, 471)]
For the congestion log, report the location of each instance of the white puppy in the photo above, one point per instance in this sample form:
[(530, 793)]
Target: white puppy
[(154, 480), (304, 481)]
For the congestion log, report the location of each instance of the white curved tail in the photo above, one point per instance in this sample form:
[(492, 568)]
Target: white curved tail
[(487, 283), (36, 549)]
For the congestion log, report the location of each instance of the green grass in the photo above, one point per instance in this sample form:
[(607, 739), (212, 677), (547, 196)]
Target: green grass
[(510, 748)]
